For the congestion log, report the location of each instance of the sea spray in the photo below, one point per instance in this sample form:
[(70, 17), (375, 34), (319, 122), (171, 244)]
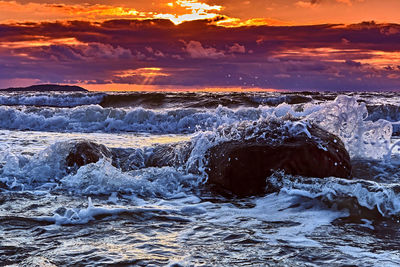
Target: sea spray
[(346, 118)]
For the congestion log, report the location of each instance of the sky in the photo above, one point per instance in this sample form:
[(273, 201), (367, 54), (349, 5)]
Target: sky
[(201, 44)]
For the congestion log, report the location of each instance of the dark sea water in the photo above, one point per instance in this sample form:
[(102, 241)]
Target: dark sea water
[(103, 215)]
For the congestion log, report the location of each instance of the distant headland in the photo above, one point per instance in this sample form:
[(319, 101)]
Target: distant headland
[(46, 88)]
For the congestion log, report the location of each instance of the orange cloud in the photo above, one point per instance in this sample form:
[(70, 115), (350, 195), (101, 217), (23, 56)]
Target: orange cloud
[(14, 11), (40, 41), (305, 4), (181, 10), (236, 22), (313, 3), (382, 59)]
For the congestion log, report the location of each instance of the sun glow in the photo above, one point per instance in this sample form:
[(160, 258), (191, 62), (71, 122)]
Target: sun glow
[(197, 10), (146, 76), (146, 72)]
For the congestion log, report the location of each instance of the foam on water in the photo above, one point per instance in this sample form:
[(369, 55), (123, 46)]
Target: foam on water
[(384, 258), (46, 166), (103, 178), (301, 218), (70, 216), (385, 198)]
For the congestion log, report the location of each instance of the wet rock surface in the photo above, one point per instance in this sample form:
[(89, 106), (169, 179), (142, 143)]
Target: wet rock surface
[(85, 152), (242, 166)]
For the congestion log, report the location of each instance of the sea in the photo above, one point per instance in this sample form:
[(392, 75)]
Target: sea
[(133, 214)]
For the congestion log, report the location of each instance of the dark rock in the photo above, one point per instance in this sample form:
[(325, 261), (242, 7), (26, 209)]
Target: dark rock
[(85, 152), (242, 165), (169, 155), (128, 159), (3, 185)]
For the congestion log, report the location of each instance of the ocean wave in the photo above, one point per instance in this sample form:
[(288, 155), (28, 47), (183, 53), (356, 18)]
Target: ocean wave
[(50, 99), (95, 118), (353, 195), (200, 99), (344, 117)]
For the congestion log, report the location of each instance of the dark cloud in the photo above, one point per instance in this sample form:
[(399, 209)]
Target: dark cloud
[(200, 53)]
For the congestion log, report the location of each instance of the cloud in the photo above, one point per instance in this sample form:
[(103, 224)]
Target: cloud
[(196, 50), (82, 52), (183, 10), (237, 48), (313, 3), (201, 54), (31, 11), (307, 4), (347, 2), (353, 63)]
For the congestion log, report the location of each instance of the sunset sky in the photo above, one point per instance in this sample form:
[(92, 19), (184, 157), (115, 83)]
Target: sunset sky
[(190, 44)]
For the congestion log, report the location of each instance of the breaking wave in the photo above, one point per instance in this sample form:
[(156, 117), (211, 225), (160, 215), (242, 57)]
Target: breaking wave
[(50, 100)]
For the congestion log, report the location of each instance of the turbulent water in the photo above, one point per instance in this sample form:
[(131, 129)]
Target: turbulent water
[(100, 214)]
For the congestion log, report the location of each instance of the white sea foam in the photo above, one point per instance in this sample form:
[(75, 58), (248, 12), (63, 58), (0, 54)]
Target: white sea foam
[(370, 257), (103, 178), (271, 209), (45, 166), (371, 195), (85, 215)]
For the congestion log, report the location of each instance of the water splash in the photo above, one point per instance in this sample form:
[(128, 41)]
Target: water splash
[(346, 118)]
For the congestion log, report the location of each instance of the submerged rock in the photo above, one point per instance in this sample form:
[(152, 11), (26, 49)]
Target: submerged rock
[(243, 165), (85, 152)]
